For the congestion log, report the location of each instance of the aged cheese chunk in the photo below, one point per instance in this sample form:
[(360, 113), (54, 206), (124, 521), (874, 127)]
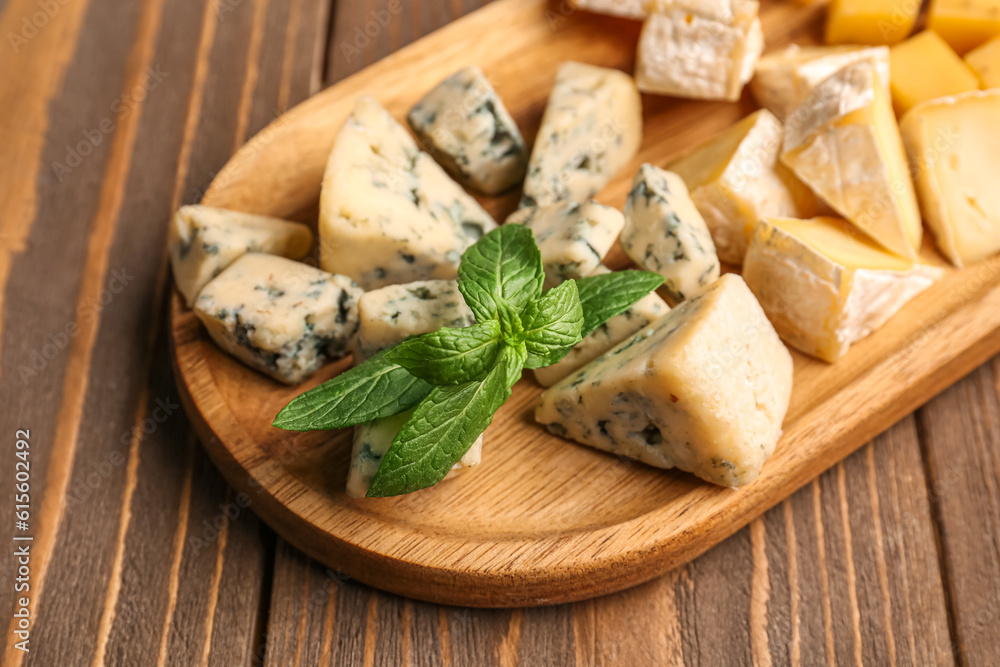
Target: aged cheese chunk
[(704, 49), (870, 21), (965, 24), (591, 128), (783, 80), (985, 62), (735, 179), (280, 317), (204, 241), (648, 309), (845, 144), (665, 233), (466, 127), (704, 389), (388, 213), (630, 9), (824, 286), (925, 68), (955, 147), (573, 236)]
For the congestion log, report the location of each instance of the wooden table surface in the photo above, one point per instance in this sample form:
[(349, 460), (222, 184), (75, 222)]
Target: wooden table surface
[(112, 115)]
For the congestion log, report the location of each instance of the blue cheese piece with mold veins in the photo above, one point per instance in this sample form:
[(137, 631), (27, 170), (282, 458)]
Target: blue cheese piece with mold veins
[(665, 233), (591, 128), (643, 312), (203, 241), (388, 213), (280, 317), (573, 237), (463, 123), (703, 389)]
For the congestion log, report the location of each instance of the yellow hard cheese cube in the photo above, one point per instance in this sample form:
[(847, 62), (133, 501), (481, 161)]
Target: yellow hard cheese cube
[(870, 21), (965, 24), (954, 145), (985, 62), (924, 68)]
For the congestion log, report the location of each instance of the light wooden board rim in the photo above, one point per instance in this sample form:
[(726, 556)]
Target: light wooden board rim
[(942, 335)]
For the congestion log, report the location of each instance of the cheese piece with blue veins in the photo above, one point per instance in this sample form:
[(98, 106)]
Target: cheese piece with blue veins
[(388, 213), (573, 236), (204, 241), (280, 317), (464, 124), (703, 389), (666, 234)]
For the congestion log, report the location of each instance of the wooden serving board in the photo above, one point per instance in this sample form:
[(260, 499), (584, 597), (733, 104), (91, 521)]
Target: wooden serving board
[(542, 520)]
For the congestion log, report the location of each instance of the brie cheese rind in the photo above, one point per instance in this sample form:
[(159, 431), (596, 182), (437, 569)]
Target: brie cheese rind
[(591, 128), (824, 286), (203, 241), (844, 143), (784, 80), (388, 213), (703, 49), (573, 237), (664, 233), (280, 317), (629, 9), (704, 389), (736, 178), (464, 124)]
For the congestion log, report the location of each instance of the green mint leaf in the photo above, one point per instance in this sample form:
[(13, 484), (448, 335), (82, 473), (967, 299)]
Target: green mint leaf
[(505, 266), (377, 388), (606, 295), (513, 360), (552, 325), (441, 430), (450, 356)]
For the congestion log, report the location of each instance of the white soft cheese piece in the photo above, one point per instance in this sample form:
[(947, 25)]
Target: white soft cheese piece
[(573, 236), (388, 213), (735, 179), (824, 286), (702, 49), (784, 80), (203, 241), (704, 389), (664, 233), (280, 317), (955, 146), (387, 316), (648, 309), (844, 143), (464, 124), (591, 128), (630, 9)]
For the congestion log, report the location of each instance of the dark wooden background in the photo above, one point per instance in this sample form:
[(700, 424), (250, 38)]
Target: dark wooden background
[(114, 113)]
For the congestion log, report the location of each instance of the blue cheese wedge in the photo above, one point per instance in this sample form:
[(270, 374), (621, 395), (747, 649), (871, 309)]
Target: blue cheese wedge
[(463, 123), (280, 317), (573, 236), (388, 213), (824, 286), (591, 128), (645, 311), (665, 233), (703, 389), (203, 241)]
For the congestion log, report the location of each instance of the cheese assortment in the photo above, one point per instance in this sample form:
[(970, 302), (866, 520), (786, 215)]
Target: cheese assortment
[(703, 49), (203, 241), (870, 21), (735, 179), (388, 213), (464, 124), (280, 317), (824, 286), (965, 24), (954, 144), (704, 389), (664, 233), (924, 68), (985, 62), (573, 236)]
